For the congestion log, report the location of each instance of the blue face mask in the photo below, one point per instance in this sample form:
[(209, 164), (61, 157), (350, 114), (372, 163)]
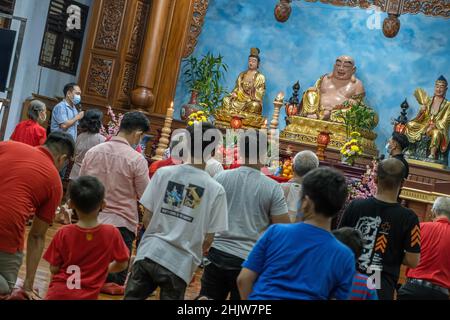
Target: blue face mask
[(76, 99)]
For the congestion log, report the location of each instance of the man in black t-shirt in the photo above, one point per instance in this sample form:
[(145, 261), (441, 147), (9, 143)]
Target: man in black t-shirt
[(395, 147), (391, 232)]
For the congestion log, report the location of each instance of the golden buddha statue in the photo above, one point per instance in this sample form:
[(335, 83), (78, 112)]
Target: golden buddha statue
[(432, 120), (250, 88), (246, 99), (331, 91), (323, 106)]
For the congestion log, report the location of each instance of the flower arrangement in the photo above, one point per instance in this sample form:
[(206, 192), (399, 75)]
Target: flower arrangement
[(195, 117), (366, 187), (230, 156), (113, 124), (352, 148), (360, 189)]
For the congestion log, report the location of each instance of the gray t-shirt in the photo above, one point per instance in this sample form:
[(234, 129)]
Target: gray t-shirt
[(252, 198)]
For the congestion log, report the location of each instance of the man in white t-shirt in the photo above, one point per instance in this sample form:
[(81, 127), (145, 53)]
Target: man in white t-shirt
[(254, 202), (304, 162), (213, 167), (184, 208)]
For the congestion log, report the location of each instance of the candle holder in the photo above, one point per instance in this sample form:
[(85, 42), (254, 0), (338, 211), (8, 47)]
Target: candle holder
[(277, 104), (164, 140)]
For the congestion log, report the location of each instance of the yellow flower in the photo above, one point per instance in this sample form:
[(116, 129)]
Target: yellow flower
[(355, 148), (355, 134), (203, 118), (200, 112), (190, 123)]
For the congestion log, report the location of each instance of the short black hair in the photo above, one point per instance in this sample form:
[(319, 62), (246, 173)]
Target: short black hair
[(248, 139), (69, 88), (390, 173), (401, 139), (60, 143), (192, 130), (134, 121), (86, 193), (92, 121), (352, 238), (327, 189)]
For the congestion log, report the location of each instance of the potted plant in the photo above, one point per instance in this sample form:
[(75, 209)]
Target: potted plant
[(357, 116), (352, 149), (203, 78)]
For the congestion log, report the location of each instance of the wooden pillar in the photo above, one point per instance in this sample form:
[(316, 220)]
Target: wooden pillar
[(143, 97)]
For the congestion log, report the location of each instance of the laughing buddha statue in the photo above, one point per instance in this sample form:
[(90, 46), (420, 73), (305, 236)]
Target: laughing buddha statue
[(332, 90)]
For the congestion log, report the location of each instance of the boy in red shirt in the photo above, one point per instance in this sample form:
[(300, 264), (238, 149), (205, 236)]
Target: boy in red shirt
[(81, 255)]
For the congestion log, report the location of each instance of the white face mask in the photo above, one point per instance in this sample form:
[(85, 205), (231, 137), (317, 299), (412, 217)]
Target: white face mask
[(43, 117)]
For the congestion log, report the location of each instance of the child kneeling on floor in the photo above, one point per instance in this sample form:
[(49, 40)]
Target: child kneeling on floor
[(81, 255)]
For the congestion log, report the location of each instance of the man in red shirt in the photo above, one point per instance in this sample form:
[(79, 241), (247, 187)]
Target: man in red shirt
[(82, 254), (30, 183), (431, 278)]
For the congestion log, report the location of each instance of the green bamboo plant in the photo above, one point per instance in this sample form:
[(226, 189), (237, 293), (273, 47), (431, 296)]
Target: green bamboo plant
[(205, 77)]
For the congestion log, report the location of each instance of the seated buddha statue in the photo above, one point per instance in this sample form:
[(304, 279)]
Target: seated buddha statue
[(432, 120), (331, 91), (248, 93)]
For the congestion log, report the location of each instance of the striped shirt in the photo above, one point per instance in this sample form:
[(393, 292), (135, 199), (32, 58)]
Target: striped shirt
[(360, 291)]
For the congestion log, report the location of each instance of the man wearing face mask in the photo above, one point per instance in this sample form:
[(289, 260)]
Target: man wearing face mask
[(395, 147), (124, 173), (30, 180), (65, 115)]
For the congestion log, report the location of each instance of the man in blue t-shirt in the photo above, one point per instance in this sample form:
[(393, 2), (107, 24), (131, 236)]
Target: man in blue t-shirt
[(65, 115), (303, 260)]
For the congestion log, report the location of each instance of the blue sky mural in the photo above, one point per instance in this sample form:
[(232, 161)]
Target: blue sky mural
[(306, 46)]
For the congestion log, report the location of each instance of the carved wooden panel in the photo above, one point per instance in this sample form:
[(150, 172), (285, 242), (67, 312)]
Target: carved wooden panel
[(128, 78), (110, 24), (99, 76), (138, 31), (439, 8), (430, 7), (195, 27)]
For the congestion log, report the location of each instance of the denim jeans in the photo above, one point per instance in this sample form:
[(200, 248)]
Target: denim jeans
[(9, 269)]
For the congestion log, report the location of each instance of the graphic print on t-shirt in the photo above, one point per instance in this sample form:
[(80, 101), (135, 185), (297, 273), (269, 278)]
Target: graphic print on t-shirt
[(180, 200), (174, 194), (368, 226), (193, 196), (415, 236)]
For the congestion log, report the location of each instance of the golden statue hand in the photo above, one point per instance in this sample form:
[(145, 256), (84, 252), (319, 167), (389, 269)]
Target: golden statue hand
[(431, 127)]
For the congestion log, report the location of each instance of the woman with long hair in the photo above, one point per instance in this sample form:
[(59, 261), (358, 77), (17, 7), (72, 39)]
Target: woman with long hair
[(89, 137)]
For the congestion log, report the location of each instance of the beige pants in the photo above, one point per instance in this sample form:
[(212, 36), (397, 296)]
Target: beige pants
[(9, 270)]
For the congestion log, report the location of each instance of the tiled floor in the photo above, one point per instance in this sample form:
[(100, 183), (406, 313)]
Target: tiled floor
[(43, 274)]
